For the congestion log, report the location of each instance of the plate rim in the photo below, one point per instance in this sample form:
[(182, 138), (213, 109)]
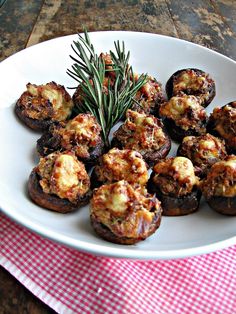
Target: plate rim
[(116, 252), (96, 249)]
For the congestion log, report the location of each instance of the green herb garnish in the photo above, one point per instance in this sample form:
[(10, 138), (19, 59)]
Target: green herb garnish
[(107, 103)]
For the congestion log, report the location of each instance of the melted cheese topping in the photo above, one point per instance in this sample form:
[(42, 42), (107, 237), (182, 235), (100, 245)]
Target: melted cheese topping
[(184, 167), (113, 197), (123, 209), (65, 174), (175, 175), (57, 97), (124, 164), (229, 162), (176, 107), (118, 199), (151, 88), (141, 132), (185, 110), (62, 174), (81, 134), (148, 96), (189, 79), (221, 179), (204, 148)]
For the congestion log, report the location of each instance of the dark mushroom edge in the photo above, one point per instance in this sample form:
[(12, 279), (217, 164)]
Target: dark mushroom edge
[(50, 200), (203, 151), (219, 187), (198, 83), (177, 206), (136, 217), (139, 137), (223, 205), (182, 195), (87, 147), (41, 105), (149, 97), (183, 116), (118, 165), (221, 123), (34, 124)]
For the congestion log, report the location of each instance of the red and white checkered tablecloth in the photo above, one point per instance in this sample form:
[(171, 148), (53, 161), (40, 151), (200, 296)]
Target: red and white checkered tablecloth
[(73, 282)]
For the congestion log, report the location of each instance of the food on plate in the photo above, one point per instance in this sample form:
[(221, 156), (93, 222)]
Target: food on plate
[(222, 122), (145, 134), (176, 186), (192, 82), (116, 165), (109, 78), (123, 214), (203, 151), (82, 135), (41, 105), (149, 97), (126, 207), (60, 183), (219, 187), (107, 85), (183, 116)]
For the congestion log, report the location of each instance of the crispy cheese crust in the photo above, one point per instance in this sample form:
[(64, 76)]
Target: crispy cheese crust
[(186, 112), (175, 176), (223, 122), (119, 165), (183, 116), (203, 151), (149, 97), (219, 187), (123, 214), (145, 134), (82, 135), (175, 184), (192, 82), (49, 102), (221, 179), (63, 175)]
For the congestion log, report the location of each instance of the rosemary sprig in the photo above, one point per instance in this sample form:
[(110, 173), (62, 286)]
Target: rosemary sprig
[(107, 103)]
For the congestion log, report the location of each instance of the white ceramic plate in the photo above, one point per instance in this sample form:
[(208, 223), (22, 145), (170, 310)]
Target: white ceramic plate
[(160, 56)]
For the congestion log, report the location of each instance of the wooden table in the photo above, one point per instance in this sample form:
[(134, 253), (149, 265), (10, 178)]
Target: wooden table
[(211, 23)]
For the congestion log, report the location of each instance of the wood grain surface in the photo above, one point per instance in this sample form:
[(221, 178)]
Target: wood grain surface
[(211, 23)]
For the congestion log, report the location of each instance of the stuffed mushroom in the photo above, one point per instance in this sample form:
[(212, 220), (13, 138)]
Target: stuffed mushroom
[(145, 134), (59, 183), (41, 105), (222, 123), (176, 186), (203, 151), (149, 97), (123, 214), (219, 187), (119, 165), (183, 116), (192, 82), (82, 135)]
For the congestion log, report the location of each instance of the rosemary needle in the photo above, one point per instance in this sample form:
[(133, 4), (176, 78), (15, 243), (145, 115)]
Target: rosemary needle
[(107, 102)]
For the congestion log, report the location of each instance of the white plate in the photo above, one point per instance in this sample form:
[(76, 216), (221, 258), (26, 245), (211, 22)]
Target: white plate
[(160, 56)]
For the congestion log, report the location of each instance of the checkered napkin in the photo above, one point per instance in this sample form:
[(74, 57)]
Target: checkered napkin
[(73, 282)]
